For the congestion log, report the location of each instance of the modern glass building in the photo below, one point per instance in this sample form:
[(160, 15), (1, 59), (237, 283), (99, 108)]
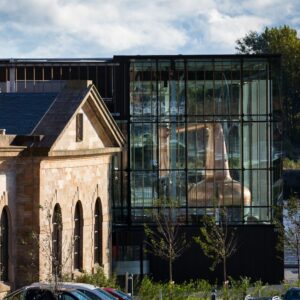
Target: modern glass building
[(203, 131)]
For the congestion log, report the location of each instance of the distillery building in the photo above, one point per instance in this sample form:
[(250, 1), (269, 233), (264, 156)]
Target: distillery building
[(201, 130)]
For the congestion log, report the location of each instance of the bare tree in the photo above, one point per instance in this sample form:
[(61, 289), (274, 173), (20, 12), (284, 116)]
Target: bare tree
[(55, 257), (216, 240), (164, 238), (56, 249)]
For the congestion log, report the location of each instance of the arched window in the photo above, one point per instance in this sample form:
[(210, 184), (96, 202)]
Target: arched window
[(78, 236), (57, 241), (98, 233), (4, 245)]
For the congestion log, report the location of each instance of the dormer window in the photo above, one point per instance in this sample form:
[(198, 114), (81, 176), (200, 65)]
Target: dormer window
[(79, 127)]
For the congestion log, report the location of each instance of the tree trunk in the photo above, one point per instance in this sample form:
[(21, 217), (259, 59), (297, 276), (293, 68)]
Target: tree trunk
[(225, 284), (170, 280), (224, 270), (170, 271)]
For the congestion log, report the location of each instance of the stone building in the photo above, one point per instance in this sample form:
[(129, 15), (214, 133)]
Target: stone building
[(55, 164)]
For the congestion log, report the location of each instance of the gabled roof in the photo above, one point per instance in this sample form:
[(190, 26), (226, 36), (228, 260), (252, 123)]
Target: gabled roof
[(47, 115), (57, 117), (20, 112), (64, 109)]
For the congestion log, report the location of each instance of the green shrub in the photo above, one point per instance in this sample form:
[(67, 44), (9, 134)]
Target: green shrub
[(290, 164), (150, 290), (98, 278), (201, 290), (238, 290)]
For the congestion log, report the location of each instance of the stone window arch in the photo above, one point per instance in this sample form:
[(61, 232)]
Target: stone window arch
[(78, 236), (4, 245), (57, 241), (98, 219)]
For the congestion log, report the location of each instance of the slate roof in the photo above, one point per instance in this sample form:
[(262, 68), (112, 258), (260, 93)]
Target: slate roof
[(38, 119), (59, 114), (21, 112)]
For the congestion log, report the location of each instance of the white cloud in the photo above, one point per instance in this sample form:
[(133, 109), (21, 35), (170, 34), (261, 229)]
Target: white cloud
[(97, 28), (225, 30)]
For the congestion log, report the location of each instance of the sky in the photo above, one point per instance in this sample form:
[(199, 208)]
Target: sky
[(104, 28)]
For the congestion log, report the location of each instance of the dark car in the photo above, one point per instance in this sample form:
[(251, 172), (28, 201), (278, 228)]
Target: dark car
[(118, 294), (44, 293), (263, 298), (292, 294)]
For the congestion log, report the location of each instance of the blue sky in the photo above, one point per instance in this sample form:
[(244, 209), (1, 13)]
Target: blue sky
[(103, 28)]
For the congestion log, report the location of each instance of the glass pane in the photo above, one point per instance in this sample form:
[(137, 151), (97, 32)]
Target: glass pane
[(255, 144), (143, 146), (171, 87), (143, 189), (255, 88), (227, 88), (217, 140), (197, 135), (171, 146), (213, 88), (172, 186), (143, 99), (258, 183)]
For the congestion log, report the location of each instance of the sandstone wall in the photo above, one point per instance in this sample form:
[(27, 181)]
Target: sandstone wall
[(67, 181)]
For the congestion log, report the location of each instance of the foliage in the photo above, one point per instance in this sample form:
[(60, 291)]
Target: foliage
[(202, 289), (150, 290), (289, 164), (98, 278), (283, 40), (289, 227), (238, 288), (216, 240), (41, 244), (165, 240)]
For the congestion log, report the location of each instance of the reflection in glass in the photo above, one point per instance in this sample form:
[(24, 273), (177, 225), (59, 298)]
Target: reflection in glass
[(143, 145), (217, 187), (200, 133)]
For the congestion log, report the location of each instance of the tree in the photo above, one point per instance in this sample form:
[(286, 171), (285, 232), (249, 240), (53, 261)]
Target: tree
[(56, 249), (55, 257), (287, 221), (216, 240), (282, 40), (165, 240)]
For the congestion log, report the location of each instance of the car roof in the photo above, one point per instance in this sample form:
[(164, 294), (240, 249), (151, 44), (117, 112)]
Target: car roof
[(42, 286), (77, 284), (65, 285)]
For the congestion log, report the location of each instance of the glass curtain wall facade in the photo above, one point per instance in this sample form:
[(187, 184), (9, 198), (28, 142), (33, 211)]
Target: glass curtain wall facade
[(200, 133)]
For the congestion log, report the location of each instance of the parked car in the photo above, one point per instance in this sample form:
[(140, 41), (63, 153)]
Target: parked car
[(263, 298), (292, 294), (118, 294), (94, 292), (46, 293)]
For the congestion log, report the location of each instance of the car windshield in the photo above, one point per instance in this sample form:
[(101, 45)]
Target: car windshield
[(122, 294), (79, 295), (105, 294), (17, 295), (39, 294)]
